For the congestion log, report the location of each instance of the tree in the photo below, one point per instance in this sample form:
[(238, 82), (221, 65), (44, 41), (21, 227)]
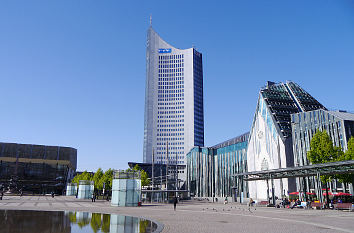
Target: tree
[(143, 175), (97, 178), (323, 151), (348, 155), (107, 178), (83, 176)]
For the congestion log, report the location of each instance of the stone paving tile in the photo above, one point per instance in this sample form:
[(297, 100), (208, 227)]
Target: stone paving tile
[(13, 204), (206, 217), (43, 205)]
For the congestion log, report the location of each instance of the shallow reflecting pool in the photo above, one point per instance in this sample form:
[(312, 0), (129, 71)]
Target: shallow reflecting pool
[(28, 221)]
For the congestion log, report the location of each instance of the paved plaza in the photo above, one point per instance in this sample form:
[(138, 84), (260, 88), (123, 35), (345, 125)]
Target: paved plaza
[(198, 216)]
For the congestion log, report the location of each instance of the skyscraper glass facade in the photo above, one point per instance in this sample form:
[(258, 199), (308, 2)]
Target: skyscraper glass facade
[(174, 119), (210, 169)]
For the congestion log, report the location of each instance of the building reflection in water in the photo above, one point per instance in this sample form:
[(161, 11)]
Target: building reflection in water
[(24, 221), (111, 223), (28, 221)]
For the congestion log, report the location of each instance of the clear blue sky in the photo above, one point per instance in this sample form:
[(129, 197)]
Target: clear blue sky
[(73, 72)]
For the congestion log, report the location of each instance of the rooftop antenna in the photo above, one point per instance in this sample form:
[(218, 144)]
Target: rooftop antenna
[(150, 20)]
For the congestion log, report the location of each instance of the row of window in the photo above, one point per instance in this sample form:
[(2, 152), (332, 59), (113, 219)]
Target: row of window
[(164, 162), (171, 70), (170, 99), (169, 134), (175, 152), (170, 130), (168, 121), (171, 87), (170, 143), (170, 79), (173, 125), (170, 139), (171, 116), (166, 75), (170, 112), (171, 148), (170, 57), (164, 61), (173, 65), (170, 94), (171, 157), (170, 108), (171, 103)]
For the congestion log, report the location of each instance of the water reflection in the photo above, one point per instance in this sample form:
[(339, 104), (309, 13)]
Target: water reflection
[(71, 222)]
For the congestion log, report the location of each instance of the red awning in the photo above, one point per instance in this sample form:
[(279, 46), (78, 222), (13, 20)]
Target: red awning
[(294, 193), (329, 193), (342, 194)]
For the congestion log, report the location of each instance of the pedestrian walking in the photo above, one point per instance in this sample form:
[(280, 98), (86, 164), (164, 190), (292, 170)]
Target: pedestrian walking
[(2, 195), (226, 201), (250, 204), (52, 194), (175, 203), (92, 197)]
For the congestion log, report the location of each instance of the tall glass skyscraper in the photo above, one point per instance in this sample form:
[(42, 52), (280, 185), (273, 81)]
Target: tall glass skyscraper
[(174, 113)]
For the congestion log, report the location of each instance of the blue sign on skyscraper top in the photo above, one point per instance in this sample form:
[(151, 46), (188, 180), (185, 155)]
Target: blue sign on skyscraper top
[(165, 50)]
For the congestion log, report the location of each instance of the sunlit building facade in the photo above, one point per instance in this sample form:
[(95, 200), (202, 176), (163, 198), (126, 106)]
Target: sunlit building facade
[(210, 170), (270, 141), (340, 127), (174, 114)]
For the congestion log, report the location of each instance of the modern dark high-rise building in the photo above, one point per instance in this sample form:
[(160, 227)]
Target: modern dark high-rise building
[(270, 142), (174, 113)]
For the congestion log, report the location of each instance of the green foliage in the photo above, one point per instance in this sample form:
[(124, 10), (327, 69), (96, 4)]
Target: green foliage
[(107, 178), (83, 176), (144, 176), (97, 178), (350, 152), (106, 221), (143, 226), (72, 217), (323, 151), (83, 222), (348, 155), (95, 222)]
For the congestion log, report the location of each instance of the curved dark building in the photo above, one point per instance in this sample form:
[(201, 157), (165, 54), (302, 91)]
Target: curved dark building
[(36, 168)]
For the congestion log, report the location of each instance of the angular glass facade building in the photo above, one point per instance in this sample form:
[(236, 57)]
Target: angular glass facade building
[(270, 140), (174, 119), (210, 169), (338, 124), (36, 168)]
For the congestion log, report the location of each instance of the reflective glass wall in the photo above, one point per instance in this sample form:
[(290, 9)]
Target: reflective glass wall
[(36, 168), (210, 170)]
